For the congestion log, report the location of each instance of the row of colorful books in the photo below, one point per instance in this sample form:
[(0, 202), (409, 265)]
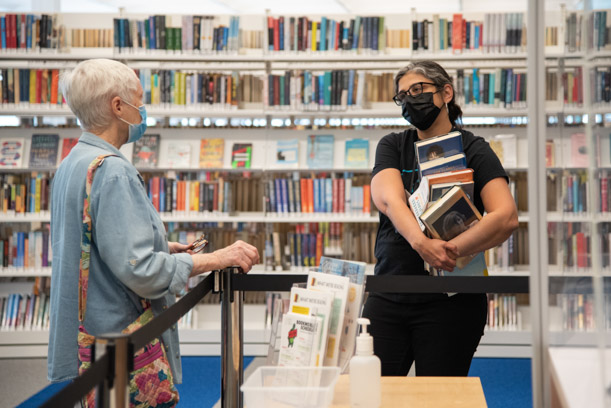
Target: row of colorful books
[(568, 191), (24, 311), (31, 86), (499, 32), (188, 88), (567, 87), (29, 249), (510, 254), (192, 34), (502, 87), (602, 83), (327, 34), (578, 312), (503, 312), (317, 195), (30, 32), (313, 90), (570, 246), (600, 33), (23, 193)]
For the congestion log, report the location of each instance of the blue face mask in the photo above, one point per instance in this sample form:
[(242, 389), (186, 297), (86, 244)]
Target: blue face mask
[(136, 130)]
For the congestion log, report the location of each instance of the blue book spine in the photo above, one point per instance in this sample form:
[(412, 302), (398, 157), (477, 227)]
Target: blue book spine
[(3, 31), (285, 195), (121, 33), (476, 40), (281, 34), (334, 38), (33, 194), (152, 36), (329, 195), (315, 193), (278, 190), (476, 85), (9, 310), (321, 87), (21, 250), (576, 200), (327, 88), (29, 22), (272, 195), (323, 34), (225, 39), (355, 35), (491, 89), (509, 88), (304, 249), (321, 195), (162, 194), (345, 35), (350, 86)]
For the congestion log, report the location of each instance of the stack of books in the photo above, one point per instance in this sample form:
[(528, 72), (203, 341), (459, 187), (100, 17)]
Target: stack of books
[(443, 202)]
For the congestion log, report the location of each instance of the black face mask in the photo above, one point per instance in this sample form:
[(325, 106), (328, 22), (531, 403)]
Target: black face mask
[(420, 111)]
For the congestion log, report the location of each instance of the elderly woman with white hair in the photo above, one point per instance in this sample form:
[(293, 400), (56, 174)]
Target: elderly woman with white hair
[(130, 257)]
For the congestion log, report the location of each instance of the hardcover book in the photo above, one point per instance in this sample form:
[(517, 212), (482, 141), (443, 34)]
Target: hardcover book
[(438, 190), (179, 155), (241, 155), (11, 152), (438, 147), (357, 153), (287, 153), (320, 151), (211, 153), (442, 165), (146, 151), (44, 150), (67, 145), (451, 215)]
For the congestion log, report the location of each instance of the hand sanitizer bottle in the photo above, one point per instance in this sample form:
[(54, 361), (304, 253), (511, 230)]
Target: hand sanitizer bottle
[(365, 372)]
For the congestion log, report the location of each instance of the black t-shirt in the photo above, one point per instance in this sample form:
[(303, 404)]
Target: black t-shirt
[(394, 254)]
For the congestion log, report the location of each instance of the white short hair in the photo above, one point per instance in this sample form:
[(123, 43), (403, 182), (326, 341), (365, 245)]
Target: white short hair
[(90, 87)]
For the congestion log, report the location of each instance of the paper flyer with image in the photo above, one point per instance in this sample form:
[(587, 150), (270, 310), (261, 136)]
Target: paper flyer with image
[(297, 339), (314, 303), (338, 285)]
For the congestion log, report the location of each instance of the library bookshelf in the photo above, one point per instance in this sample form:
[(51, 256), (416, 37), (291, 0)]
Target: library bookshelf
[(261, 117)]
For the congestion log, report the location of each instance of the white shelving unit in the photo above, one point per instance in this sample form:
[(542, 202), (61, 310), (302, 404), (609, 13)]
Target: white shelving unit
[(206, 339)]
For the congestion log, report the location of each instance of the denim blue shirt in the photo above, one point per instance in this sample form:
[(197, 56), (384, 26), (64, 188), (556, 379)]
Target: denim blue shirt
[(129, 255)]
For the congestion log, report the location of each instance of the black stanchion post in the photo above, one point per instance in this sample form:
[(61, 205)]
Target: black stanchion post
[(118, 396), (232, 373)]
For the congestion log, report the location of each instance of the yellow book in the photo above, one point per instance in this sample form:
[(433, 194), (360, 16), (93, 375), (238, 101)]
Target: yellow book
[(32, 86), (37, 195), (313, 35)]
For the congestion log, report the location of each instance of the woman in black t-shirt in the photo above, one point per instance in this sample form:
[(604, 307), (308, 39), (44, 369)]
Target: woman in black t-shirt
[(438, 331)]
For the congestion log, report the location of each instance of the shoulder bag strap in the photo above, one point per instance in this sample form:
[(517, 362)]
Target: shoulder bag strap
[(83, 280)]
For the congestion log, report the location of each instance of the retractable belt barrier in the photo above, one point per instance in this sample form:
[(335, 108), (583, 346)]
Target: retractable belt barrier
[(110, 370)]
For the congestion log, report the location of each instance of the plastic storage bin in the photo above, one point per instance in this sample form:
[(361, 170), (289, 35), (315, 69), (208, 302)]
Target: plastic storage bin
[(290, 387)]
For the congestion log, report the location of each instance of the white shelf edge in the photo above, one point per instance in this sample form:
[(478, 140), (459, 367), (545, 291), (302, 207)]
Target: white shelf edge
[(13, 272)]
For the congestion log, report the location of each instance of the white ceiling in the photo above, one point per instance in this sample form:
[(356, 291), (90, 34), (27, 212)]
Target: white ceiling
[(281, 6)]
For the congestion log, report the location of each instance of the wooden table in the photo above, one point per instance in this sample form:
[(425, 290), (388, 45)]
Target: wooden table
[(420, 392)]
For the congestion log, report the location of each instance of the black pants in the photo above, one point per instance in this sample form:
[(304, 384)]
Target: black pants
[(440, 336)]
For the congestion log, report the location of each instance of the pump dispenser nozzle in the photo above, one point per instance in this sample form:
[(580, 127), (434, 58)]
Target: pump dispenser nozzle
[(364, 342)]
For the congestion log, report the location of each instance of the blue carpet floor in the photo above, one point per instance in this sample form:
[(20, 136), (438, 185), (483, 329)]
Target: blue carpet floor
[(506, 382)]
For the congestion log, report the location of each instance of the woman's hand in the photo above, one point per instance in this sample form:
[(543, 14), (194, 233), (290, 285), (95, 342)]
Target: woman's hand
[(177, 247), (437, 253), (237, 254)]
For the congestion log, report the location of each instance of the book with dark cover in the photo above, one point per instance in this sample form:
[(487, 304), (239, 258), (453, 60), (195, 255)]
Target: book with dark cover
[(438, 147), (146, 151), (44, 150), (455, 162)]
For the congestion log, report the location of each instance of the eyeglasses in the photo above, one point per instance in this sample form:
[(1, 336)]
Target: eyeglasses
[(415, 90), (199, 244)]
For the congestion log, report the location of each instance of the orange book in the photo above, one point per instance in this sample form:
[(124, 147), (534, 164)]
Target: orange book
[(32, 86), (319, 242), (303, 188), (367, 199), (195, 186), (457, 176), (228, 90), (310, 188), (54, 86), (180, 196), (155, 192), (457, 33)]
